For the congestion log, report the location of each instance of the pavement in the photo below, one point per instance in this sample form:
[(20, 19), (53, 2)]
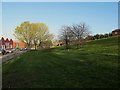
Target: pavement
[(10, 55)]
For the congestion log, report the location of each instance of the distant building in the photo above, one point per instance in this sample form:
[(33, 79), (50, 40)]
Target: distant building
[(18, 45), (90, 38), (116, 32), (9, 44), (6, 44), (58, 43)]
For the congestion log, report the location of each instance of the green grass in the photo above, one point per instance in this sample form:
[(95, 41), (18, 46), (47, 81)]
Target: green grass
[(95, 65)]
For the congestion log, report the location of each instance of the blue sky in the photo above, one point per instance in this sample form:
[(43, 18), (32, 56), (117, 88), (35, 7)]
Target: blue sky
[(102, 17), (59, 0)]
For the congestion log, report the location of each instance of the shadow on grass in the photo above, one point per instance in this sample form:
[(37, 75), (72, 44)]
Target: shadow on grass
[(47, 68), (87, 67)]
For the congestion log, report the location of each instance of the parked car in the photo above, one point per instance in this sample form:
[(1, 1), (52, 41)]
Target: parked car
[(23, 49), (2, 51), (14, 49), (9, 51)]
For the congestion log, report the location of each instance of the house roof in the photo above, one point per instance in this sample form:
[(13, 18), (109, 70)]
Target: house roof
[(2, 38), (116, 30), (7, 40), (3, 41)]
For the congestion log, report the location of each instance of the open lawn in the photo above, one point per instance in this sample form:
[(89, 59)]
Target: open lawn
[(95, 65)]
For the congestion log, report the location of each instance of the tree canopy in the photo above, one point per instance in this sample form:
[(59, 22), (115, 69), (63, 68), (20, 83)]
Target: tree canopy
[(33, 33)]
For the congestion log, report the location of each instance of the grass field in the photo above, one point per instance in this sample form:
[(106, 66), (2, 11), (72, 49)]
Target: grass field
[(93, 66)]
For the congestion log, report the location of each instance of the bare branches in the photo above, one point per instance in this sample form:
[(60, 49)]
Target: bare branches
[(75, 32)]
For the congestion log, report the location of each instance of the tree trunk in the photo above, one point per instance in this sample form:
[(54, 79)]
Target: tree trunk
[(40, 45), (35, 46), (67, 45)]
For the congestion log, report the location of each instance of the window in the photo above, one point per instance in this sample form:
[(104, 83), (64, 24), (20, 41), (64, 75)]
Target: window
[(10, 46), (116, 32)]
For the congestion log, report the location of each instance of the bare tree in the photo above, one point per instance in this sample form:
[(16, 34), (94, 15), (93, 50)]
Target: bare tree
[(80, 31), (66, 35), (74, 34)]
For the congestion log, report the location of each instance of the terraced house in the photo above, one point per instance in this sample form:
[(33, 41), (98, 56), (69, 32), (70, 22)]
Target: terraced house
[(6, 43), (9, 44)]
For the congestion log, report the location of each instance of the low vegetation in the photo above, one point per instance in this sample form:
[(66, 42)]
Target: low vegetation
[(95, 65)]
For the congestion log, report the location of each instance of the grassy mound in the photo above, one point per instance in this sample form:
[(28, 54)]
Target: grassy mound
[(93, 66)]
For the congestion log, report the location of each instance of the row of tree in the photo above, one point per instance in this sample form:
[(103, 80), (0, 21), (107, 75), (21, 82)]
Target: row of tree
[(36, 34), (74, 33), (99, 36)]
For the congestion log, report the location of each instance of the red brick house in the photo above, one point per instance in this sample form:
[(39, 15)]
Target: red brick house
[(18, 45), (9, 44), (116, 32), (6, 44), (2, 43)]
